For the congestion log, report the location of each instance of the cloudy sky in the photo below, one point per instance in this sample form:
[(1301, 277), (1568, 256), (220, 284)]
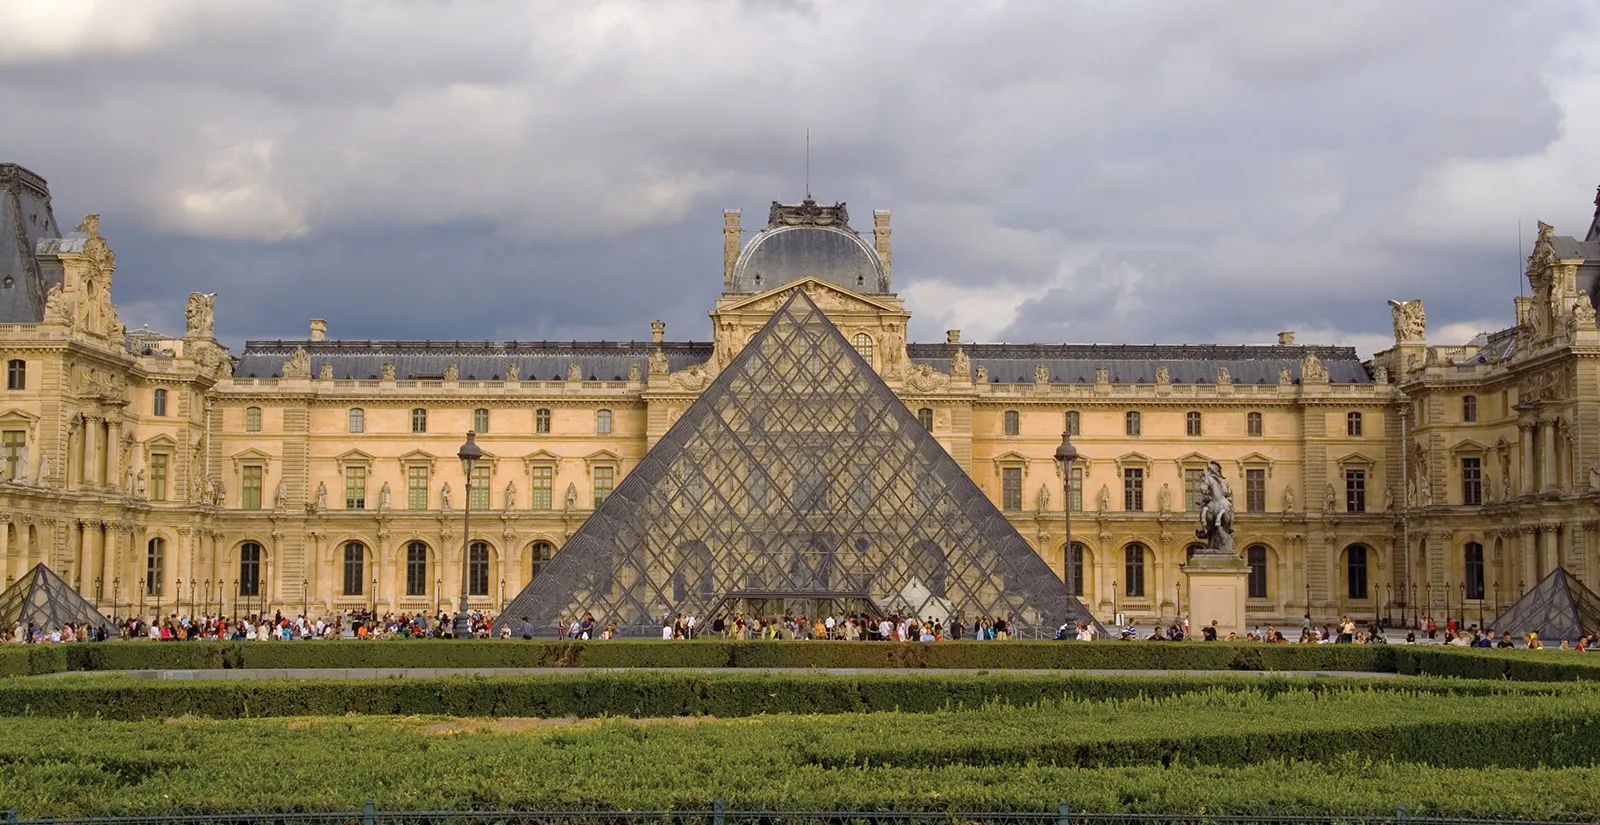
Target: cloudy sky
[(1090, 172)]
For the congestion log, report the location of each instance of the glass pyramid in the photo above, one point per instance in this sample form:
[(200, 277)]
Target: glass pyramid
[(798, 483), (1558, 608), (43, 599)]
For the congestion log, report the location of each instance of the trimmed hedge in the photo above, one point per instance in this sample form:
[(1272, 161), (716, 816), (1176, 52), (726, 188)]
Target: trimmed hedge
[(1218, 752), (1529, 665), (643, 694)]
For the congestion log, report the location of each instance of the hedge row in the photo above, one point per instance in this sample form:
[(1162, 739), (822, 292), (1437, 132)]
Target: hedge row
[(1218, 752), (643, 694), (1546, 665)]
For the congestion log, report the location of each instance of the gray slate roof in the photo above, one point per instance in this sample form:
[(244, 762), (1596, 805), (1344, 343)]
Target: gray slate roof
[(25, 221), (1567, 247), (1134, 364), (786, 254), (475, 360)]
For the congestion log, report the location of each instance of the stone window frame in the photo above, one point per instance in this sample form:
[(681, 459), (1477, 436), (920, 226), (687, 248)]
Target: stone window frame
[(543, 421), (252, 419), (419, 419), (1132, 424), (16, 374), (355, 420), (1469, 409), (1368, 465), (609, 418), (252, 458), (1011, 423), (1245, 463), (598, 459), (162, 445), (1354, 424), (417, 458), (347, 460), (158, 402), (1468, 448), (1193, 424), (543, 459), (1254, 424), (1072, 423), (16, 420), (1135, 461)]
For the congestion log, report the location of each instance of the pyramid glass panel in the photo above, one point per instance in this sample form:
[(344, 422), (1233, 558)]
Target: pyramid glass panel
[(1558, 608), (43, 600), (798, 482)]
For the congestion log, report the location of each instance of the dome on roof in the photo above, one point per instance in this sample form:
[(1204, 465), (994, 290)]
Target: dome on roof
[(809, 240)]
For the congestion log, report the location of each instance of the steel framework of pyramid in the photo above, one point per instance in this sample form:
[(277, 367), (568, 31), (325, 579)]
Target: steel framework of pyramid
[(797, 478), (1558, 608), (43, 599)]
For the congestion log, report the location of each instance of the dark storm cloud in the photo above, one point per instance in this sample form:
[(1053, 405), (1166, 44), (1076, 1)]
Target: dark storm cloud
[(1136, 171)]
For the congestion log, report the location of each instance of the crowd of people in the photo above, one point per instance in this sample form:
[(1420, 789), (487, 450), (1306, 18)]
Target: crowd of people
[(836, 627)]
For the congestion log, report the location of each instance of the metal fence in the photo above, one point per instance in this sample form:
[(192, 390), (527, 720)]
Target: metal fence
[(719, 815)]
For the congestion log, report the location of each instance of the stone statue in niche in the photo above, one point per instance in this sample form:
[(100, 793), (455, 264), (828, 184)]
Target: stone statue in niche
[(1044, 497), (139, 485), (326, 373), (658, 363), (281, 495), (511, 495), (1388, 498), (322, 495), (452, 372), (575, 372), (1426, 489), (43, 479), (1104, 500), (444, 496), (1327, 500), (960, 366), (1164, 499), (634, 373), (572, 496), (513, 371), (1216, 513), (1285, 377), (383, 496), (1288, 498), (20, 474), (387, 372)]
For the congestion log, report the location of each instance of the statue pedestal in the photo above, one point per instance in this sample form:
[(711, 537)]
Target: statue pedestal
[(1218, 586)]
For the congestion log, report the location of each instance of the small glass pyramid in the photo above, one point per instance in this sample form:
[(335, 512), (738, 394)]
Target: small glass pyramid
[(43, 599), (797, 483), (1558, 608)]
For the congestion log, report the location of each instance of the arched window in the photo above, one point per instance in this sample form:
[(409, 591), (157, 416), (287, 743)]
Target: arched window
[(249, 569), (419, 420), (1131, 423), (160, 406), (863, 345), (358, 420), (1133, 570), (602, 422), (16, 374), (1355, 569), (1469, 408), (1474, 568), (252, 419), (1071, 423), (1252, 424), (1191, 424), (1352, 424), (1075, 568), (155, 567), (539, 554), (541, 420), (480, 420), (925, 418), (478, 569), (416, 569), (1256, 557), (1013, 422), (355, 568)]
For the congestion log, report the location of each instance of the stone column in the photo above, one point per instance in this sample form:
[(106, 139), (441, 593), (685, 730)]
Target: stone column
[(89, 466), (1547, 455), (5, 549), (1550, 555), (1525, 433), (114, 453), (1567, 556)]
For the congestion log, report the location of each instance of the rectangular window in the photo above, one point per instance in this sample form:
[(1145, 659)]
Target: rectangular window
[(417, 569), (1191, 424), (1256, 557), (158, 476), (16, 374), (1072, 422), (358, 421), (1075, 499), (355, 488), (1193, 485), (1469, 408), (544, 482), (480, 420), (1355, 491), (417, 488), (1474, 570), (14, 440), (480, 485), (602, 422), (1131, 424), (354, 568), (1011, 488), (252, 419), (1133, 489), (419, 420), (1252, 424), (604, 479), (541, 421), (1472, 480), (250, 495), (1255, 491)]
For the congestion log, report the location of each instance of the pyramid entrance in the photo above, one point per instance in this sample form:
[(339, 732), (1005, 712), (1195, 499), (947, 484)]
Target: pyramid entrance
[(798, 479)]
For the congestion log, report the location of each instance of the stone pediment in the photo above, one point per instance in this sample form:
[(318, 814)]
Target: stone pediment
[(419, 457), (251, 456), (828, 297)]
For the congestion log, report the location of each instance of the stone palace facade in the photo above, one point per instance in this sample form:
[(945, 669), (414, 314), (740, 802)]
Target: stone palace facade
[(320, 474)]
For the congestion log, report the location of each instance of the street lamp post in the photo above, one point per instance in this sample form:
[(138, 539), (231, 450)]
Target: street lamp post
[(305, 597), (1066, 456), (177, 600), (235, 595), (469, 454), (1462, 608), (208, 595), (141, 600), (116, 592), (97, 594)]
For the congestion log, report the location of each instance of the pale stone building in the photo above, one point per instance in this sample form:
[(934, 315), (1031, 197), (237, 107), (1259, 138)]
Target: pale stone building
[(320, 473)]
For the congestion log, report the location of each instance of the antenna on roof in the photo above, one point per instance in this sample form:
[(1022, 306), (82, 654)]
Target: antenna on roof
[(1519, 258), (808, 163)]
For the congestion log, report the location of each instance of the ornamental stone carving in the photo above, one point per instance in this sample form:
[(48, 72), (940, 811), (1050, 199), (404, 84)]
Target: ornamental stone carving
[(658, 363), (1223, 376), (298, 367), (513, 371), (198, 316), (697, 377), (1410, 322), (1041, 374), (452, 372), (326, 373), (960, 366), (1102, 375), (1312, 369), (983, 375), (633, 374), (575, 372), (924, 378), (387, 372), (1162, 376)]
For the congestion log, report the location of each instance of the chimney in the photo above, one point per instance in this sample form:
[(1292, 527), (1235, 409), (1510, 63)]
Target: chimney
[(657, 330), (880, 238), (319, 329), (952, 336), (730, 246), (1285, 339)]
